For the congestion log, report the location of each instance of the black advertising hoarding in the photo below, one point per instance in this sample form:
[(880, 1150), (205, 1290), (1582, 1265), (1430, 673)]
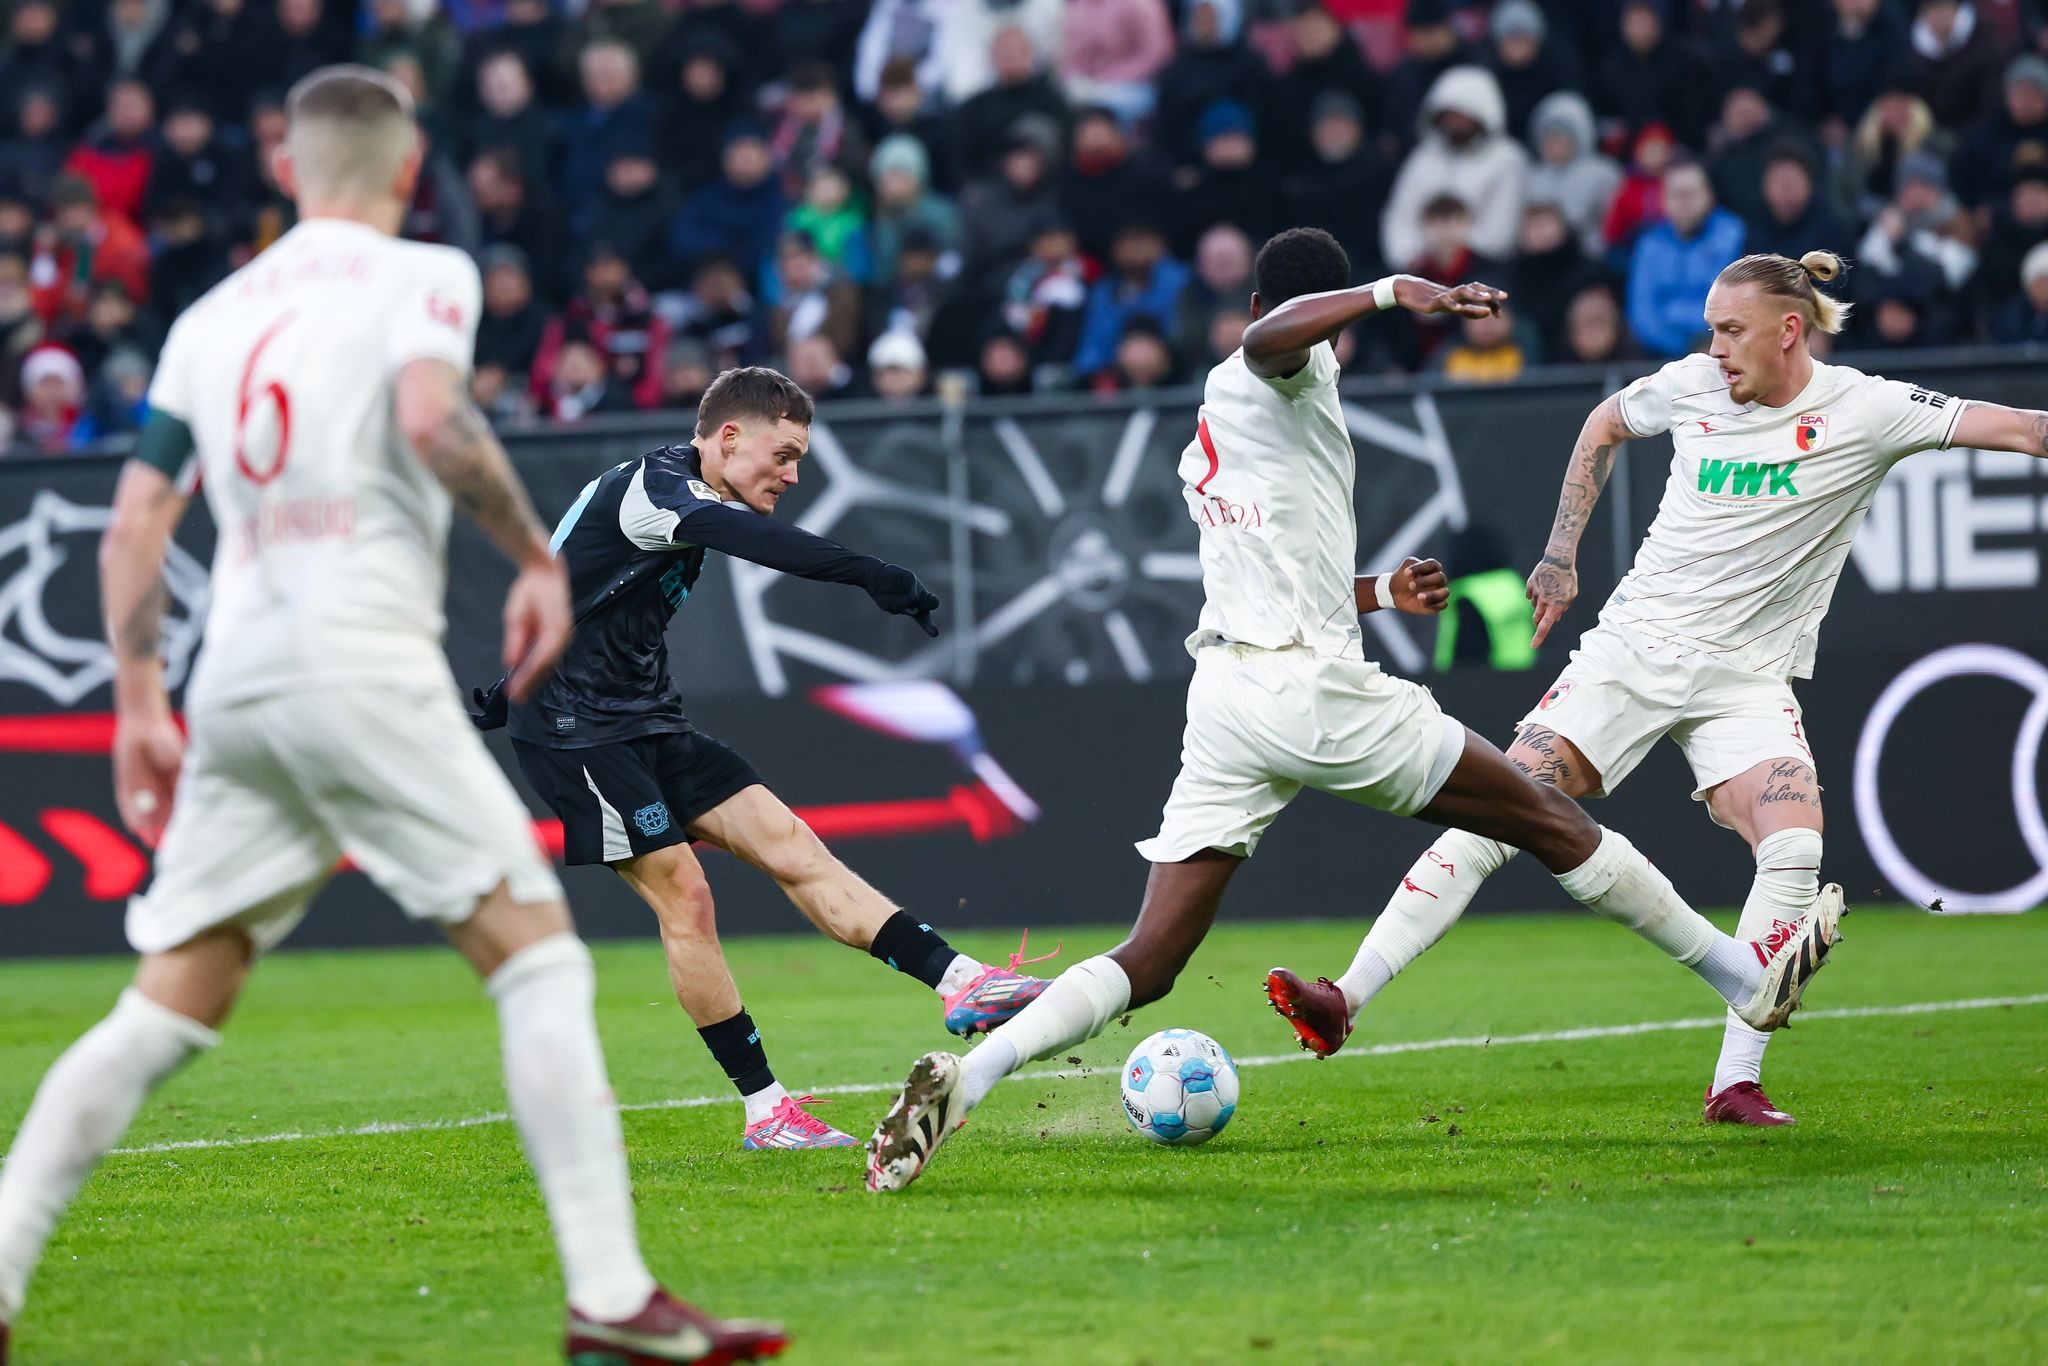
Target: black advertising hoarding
[(999, 774)]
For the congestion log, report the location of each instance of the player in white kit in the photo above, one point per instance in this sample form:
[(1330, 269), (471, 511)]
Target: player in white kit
[(1775, 458), (1283, 698), (320, 393)]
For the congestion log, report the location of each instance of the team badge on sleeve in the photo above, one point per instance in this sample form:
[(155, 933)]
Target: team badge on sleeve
[(1555, 695), (703, 490), (1811, 432)]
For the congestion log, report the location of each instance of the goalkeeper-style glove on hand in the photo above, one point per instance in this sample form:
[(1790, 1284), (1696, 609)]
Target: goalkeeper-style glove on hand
[(898, 592)]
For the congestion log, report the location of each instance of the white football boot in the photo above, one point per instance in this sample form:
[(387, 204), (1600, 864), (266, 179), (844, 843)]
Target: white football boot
[(1792, 953), (924, 1116)]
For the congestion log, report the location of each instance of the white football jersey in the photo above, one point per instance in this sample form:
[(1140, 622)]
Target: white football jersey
[(1268, 481), (1762, 504), (330, 566)]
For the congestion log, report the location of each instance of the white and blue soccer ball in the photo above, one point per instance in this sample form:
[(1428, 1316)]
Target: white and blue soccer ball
[(1179, 1087)]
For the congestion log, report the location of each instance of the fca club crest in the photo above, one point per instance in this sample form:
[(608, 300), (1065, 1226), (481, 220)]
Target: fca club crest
[(1812, 431), (65, 658), (1555, 696)]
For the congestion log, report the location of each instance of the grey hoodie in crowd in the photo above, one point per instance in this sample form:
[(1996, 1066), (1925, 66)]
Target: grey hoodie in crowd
[(1486, 173), (1582, 187)]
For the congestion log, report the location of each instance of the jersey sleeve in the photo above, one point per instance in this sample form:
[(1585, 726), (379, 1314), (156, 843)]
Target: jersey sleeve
[(1648, 406), (655, 502), (1907, 419), (170, 388), (1320, 370), (437, 311)]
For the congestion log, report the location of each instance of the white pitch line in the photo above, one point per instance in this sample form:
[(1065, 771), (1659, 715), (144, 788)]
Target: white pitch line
[(1378, 1050)]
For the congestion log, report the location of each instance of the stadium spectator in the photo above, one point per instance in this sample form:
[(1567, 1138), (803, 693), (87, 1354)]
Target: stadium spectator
[(2018, 223), (999, 214), (719, 313), (116, 153), (1549, 270), (896, 366), (508, 118), (34, 154), (1465, 152), (633, 212), (1744, 136), (1044, 298), (1897, 125), (1230, 184), (902, 31), (111, 323), (37, 53), (511, 214), (1144, 359), (1640, 200), (513, 322), (1431, 46), (810, 297), (1343, 171), (1654, 75), (1144, 282), (1485, 351), (1447, 254), (830, 217), (901, 107), (1020, 87), (686, 372), (615, 115), (1223, 269), (1003, 365), (737, 214), (1213, 64), (1112, 50), (814, 131), (2015, 134), (1758, 54), (916, 287), (1796, 218), (815, 363), (1322, 59), (903, 201), (968, 36), (191, 257), (2024, 316), (1568, 170), (81, 246), (1675, 262), (613, 314), (705, 97), (642, 25), (224, 51), (1955, 61), (52, 392), (117, 400), (1104, 176), (306, 42), (1922, 226), (579, 384), (1594, 333), (193, 163), (129, 43), (1528, 65), (21, 331), (1863, 55), (424, 33)]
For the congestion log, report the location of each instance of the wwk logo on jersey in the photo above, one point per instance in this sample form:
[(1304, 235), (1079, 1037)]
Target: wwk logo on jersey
[(1748, 478), (1811, 431)]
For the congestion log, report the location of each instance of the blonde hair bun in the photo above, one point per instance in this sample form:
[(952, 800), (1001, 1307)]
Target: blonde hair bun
[(1823, 266)]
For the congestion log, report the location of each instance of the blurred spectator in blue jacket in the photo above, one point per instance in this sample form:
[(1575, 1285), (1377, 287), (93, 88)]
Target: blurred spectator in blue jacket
[(738, 214), (1675, 263), (1144, 282)]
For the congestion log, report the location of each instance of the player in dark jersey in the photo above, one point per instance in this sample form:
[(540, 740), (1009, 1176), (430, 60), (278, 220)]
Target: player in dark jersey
[(606, 743)]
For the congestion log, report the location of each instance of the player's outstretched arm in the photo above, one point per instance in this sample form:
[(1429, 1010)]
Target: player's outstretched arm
[(459, 448), (1993, 427), (1555, 581), (792, 550), (148, 747), (1419, 588), (1277, 343)]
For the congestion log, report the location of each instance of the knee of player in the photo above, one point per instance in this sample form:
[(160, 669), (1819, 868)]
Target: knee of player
[(798, 855), (1152, 971), (686, 905)]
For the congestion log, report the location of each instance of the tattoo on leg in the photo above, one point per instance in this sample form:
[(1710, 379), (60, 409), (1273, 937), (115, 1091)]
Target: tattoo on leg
[(1551, 767), (1789, 781)]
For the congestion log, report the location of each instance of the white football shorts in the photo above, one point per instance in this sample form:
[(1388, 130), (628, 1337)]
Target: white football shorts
[(1264, 724), (1623, 692), (276, 790)]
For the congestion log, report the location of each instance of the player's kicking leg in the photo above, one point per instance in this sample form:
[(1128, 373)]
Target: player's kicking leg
[(755, 826), (1775, 807), (672, 881)]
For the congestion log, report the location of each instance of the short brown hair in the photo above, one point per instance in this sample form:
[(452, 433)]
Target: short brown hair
[(752, 391)]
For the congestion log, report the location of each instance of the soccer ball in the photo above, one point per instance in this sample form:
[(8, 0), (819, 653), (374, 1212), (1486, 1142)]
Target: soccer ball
[(1179, 1087)]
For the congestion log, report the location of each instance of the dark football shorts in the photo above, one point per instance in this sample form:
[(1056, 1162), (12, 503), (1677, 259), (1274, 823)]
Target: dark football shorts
[(621, 800)]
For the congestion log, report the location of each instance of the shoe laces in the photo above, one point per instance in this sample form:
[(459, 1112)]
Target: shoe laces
[(792, 1113), (1018, 960), (1781, 931)]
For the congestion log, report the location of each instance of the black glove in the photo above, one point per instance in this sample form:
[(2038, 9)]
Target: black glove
[(488, 706), (898, 592)]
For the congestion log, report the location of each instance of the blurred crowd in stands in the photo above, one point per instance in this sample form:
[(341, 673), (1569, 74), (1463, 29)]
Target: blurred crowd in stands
[(1041, 194)]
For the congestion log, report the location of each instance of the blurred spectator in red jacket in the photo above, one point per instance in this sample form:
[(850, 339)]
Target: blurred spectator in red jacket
[(116, 154), (81, 245)]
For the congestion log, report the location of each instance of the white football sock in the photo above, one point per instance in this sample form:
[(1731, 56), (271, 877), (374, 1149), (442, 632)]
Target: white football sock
[(1426, 904), (1078, 1005), (1787, 884), (555, 1078), (761, 1104), (1622, 885), (86, 1102), (959, 973)]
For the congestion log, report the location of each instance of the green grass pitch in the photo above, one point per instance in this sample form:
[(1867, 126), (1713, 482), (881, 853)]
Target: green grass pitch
[(1553, 1200)]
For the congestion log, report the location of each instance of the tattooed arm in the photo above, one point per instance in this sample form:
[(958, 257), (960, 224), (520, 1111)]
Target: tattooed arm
[(148, 747), (1992, 427), (457, 445), (1555, 581)]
